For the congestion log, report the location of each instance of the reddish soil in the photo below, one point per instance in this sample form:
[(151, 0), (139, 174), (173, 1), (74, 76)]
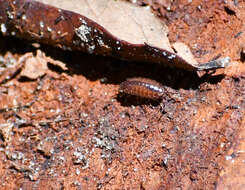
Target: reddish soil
[(73, 130)]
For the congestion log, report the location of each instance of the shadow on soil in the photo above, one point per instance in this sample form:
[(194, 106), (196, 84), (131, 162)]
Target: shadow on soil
[(110, 70)]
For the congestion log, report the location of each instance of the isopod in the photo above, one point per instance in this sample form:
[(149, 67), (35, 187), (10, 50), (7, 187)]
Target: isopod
[(142, 87)]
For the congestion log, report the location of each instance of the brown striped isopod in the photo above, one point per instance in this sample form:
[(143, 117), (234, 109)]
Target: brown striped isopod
[(142, 87)]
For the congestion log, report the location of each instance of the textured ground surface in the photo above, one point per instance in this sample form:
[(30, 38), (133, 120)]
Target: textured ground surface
[(72, 130)]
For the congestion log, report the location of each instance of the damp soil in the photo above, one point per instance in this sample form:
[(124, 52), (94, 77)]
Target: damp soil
[(72, 129)]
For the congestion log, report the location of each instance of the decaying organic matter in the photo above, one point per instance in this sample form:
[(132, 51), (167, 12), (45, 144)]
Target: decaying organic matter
[(70, 129), (69, 30)]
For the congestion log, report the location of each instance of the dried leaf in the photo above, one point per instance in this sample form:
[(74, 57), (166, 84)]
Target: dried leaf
[(35, 67), (127, 22), (115, 28), (184, 52)]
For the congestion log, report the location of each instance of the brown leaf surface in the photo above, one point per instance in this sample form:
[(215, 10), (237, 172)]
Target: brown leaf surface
[(115, 28), (127, 22), (36, 66)]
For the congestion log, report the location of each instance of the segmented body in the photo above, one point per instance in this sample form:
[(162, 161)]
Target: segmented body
[(142, 87)]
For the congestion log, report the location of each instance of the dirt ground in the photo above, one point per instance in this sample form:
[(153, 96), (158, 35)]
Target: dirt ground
[(71, 129)]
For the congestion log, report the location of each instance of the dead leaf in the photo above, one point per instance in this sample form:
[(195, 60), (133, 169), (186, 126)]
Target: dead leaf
[(184, 52), (35, 67), (127, 22), (104, 27)]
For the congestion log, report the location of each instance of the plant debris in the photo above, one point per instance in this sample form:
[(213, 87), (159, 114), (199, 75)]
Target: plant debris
[(71, 129), (93, 28)]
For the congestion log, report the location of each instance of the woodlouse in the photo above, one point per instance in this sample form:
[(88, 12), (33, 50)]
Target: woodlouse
[(142, 87)]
